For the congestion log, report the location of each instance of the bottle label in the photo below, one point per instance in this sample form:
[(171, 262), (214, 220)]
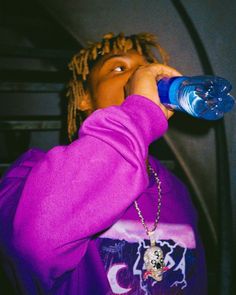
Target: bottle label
[(168, 89)]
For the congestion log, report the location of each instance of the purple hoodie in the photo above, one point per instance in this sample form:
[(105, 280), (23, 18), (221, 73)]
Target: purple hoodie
[(67, 220)]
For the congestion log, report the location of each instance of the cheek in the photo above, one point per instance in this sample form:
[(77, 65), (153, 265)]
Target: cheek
[(108, 94)]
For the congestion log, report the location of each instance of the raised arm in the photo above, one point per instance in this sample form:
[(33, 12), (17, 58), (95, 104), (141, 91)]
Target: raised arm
[(82, 189)]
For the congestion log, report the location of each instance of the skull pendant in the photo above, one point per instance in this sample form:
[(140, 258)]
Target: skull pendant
[(154, 263)]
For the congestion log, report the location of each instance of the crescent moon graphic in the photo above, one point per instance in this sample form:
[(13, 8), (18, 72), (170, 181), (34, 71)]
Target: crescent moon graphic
[(112, 278)]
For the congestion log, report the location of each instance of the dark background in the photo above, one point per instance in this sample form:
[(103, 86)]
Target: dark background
[(37, 41)]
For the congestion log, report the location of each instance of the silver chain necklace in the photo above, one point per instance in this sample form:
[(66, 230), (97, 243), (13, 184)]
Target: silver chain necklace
[(153, 256)]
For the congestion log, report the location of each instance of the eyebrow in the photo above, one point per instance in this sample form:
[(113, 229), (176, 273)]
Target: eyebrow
[(111, 57)]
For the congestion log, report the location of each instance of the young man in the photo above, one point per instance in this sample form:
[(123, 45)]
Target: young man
[(100, 216)]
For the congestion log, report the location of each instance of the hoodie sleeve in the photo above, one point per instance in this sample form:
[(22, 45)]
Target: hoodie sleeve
[(78, 190)]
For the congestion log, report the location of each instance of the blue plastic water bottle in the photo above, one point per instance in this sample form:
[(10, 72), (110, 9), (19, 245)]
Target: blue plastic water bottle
[(206, 97)]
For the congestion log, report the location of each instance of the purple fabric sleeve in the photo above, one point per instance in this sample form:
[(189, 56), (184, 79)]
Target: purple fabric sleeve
[(76, 191)]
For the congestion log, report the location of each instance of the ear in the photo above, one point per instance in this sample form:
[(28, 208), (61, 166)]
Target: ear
[(85, 104)]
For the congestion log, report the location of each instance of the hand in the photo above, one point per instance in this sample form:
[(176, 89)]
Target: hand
[(144, 82)]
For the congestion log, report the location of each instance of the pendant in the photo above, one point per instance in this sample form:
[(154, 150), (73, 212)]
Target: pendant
[(154, 261)]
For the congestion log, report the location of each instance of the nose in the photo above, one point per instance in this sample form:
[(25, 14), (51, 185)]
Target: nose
[(129, 76), (158, 265)]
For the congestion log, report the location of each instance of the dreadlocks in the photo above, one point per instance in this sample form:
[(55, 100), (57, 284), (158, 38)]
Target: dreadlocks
[(82, 63)]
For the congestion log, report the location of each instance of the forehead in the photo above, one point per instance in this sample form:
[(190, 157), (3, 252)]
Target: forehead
[(130, 55)]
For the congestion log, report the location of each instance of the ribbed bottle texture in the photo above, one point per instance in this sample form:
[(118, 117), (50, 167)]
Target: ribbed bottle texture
[(206, 97)]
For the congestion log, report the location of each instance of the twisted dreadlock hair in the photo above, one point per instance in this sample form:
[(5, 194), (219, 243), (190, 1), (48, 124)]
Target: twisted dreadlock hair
[(82, 63)]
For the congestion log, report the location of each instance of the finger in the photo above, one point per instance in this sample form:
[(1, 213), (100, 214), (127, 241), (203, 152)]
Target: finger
[(160, 71)]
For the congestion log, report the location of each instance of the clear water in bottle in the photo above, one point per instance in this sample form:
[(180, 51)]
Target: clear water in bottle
[(206, 97)]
